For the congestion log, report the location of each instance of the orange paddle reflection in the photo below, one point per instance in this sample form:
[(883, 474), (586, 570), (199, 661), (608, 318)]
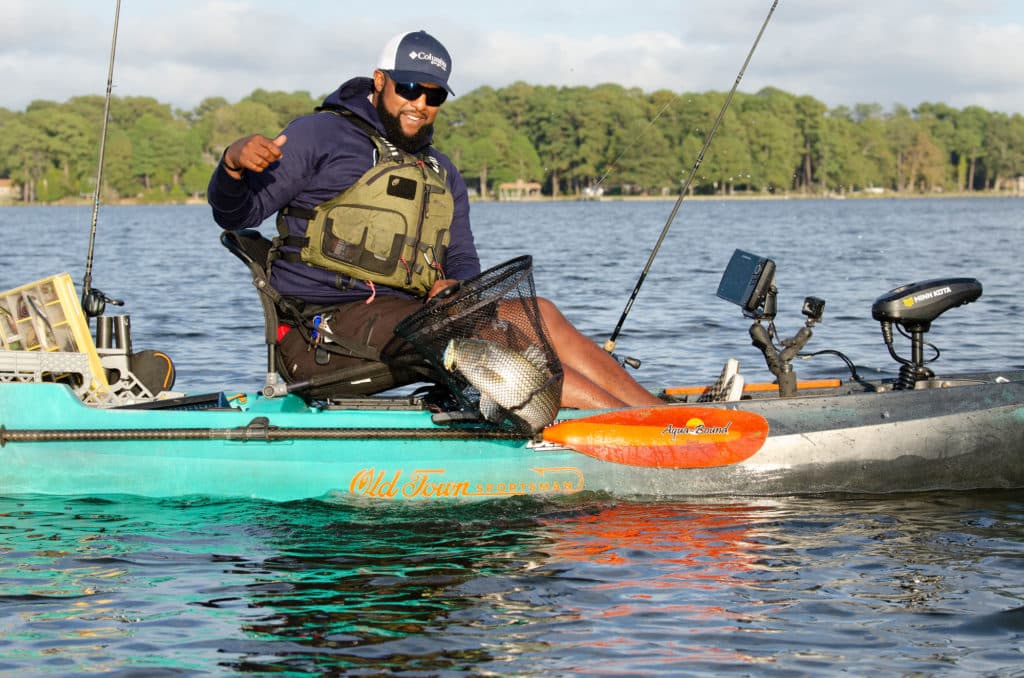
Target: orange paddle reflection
[(686, 535), (681, 566)]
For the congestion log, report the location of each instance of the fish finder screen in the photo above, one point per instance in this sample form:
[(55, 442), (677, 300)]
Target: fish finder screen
[(746, 281)]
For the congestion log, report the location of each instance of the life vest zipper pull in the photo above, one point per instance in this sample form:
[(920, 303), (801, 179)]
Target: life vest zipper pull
[(408, 269)]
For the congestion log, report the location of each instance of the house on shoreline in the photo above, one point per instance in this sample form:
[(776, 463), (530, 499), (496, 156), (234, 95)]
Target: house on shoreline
[(9, 191), (519, 190)]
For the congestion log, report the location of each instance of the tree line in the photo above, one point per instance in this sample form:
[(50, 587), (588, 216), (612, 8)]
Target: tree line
[(568, 139)]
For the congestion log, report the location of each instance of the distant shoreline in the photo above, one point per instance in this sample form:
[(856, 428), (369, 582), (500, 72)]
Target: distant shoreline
[(888, 195), (797, 196)]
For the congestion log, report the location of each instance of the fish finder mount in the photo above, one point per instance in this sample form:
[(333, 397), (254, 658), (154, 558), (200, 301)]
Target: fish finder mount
[(749, 282)]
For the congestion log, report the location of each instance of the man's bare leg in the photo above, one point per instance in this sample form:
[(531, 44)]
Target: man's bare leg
[(592, 377)]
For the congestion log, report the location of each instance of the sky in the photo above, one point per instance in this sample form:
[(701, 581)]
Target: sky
[(885, 52)]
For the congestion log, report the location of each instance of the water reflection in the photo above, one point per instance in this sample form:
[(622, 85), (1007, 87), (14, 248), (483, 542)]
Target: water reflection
[(645, 568), (522, 587), (518, 586), (743, 584), (385, 589)]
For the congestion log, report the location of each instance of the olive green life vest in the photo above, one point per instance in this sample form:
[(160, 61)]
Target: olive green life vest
[(390, 227)]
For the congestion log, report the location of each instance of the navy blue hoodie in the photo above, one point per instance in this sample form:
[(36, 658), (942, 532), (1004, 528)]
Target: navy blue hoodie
[(324, 154)]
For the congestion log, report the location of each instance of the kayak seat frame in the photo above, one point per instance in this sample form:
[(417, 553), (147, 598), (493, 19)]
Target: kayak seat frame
[(367, 379)]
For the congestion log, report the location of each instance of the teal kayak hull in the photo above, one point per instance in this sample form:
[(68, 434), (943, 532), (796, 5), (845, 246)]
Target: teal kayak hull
[(385, 467), (968, 434)]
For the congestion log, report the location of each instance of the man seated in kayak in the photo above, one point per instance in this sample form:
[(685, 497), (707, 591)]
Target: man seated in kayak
[(327, 156)]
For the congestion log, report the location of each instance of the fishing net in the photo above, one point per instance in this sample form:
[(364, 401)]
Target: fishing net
[(487, 344)]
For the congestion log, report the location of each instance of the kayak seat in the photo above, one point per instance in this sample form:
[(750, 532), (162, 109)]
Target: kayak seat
[(368, 378)]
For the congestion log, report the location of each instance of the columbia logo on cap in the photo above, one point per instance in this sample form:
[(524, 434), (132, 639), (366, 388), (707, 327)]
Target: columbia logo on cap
[(426, 56)]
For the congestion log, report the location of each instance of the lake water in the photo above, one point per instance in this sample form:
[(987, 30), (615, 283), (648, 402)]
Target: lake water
[(927, 584)]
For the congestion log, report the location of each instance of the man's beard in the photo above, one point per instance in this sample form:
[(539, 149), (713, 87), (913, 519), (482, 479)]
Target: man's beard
[(393, 130)]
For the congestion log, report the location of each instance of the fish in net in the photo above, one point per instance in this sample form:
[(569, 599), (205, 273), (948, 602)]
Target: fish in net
[(487, 343)]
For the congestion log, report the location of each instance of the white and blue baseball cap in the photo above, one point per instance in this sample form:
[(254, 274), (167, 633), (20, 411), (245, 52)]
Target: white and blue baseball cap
[(416, 57)]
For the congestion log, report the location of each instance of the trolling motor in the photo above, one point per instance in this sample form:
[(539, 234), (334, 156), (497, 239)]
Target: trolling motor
[(913, 307), (749, 282)]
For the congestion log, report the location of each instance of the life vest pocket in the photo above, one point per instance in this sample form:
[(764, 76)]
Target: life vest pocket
[(367, 238), (402, 187)]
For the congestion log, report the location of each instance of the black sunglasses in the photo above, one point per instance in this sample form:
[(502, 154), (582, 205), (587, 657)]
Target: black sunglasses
[(411, 91)]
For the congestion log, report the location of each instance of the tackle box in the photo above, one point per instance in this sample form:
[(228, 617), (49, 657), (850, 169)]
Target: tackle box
[(46, 316)]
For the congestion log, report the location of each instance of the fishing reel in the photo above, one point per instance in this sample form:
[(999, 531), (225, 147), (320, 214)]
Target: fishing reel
[(749, 282), (95, 302)]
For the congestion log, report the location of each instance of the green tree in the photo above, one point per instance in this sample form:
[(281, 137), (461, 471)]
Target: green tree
[(969, 140), (486, 147), (774, 138), (549, 127), (1004, 148), (53, 186), (626, 141), (901, 132), (940, 121), (119, 178), (589, 155), (810, 116), (925, 163), (195, 179), (231, 122), (728, 162), (126, 111), (286, 105), (72, 142), (694, 115), (471, 133), (516, 100), (848, 165), (26, 153), (145, 161)]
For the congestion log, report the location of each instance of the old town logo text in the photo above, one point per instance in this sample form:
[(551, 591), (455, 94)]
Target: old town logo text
[(435, 484)]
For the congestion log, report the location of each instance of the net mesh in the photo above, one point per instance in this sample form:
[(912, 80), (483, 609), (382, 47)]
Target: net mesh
[(488, 345)]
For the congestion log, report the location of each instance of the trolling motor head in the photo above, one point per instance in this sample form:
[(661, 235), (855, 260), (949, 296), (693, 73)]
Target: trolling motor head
[(914, 307)]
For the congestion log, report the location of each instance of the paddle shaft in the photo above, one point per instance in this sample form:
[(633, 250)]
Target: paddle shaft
[(254, 431), (258, 429), (609, 345)]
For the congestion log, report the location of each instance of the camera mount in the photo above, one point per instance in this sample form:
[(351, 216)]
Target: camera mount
[(749, 281)]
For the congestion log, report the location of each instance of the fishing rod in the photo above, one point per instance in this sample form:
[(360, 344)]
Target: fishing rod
[(94, 301), (609, 345)]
